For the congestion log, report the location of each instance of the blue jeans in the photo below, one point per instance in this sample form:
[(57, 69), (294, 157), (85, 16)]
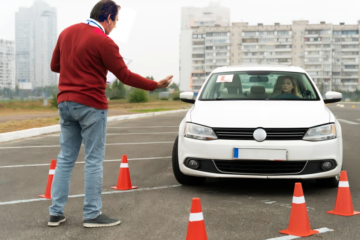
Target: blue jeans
[(80, 123)]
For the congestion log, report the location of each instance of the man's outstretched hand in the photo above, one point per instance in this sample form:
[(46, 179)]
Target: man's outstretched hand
[(165, 82)]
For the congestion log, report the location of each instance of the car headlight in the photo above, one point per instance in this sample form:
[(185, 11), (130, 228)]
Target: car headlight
[(321, 133), (199, 132)]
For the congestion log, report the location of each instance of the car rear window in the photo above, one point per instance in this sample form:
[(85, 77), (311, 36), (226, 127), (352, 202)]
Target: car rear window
[(259, 85)]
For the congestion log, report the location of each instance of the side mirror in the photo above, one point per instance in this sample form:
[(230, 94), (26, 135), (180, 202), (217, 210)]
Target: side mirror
[(187, 97), (331, 97)]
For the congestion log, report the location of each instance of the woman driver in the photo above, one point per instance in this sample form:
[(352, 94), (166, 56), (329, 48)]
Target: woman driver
[(289, 86)]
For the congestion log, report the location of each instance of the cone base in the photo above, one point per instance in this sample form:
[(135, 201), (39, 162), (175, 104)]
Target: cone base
[(133, 187), (345, 215), (43, 196), (287, 232)]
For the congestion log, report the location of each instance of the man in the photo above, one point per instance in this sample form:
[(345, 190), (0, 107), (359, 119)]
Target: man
[(82, 56)]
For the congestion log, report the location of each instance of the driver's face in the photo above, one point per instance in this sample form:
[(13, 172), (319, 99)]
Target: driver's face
[(287, 85)]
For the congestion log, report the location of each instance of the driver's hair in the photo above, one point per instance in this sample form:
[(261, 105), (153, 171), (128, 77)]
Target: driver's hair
[(295, 88)]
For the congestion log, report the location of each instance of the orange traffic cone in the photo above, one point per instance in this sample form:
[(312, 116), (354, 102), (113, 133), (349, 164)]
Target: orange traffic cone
[(299, 224), (124, 181), (196, 228), (343, 204), (50, 179)]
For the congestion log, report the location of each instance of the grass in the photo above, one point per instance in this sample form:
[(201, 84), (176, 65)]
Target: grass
[(34, 110), (28, 105), (27, 124), (151, 110)]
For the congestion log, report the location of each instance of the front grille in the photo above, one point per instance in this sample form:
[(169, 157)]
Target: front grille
[(260, 167), (272, 133)]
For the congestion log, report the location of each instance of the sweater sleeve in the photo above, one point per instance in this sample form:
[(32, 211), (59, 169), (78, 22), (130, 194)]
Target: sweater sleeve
[(114, 62), (55, 60)]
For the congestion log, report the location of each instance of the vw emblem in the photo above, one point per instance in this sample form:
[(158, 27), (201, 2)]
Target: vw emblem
[(259, 134)]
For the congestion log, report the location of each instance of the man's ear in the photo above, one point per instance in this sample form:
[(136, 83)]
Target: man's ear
[(109, 18)]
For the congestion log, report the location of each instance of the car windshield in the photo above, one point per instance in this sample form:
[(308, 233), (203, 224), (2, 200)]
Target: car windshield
[(259, 85)]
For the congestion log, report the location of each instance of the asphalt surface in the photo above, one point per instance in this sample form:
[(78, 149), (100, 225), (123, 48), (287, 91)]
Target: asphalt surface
[(160, 207)]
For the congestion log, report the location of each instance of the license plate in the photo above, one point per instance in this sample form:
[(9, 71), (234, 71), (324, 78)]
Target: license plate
[(260, 154)]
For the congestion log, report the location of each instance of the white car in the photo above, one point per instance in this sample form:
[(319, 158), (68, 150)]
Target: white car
[(267, 122)]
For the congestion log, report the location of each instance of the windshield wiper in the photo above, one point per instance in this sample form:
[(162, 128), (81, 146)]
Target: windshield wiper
[(218, 98)]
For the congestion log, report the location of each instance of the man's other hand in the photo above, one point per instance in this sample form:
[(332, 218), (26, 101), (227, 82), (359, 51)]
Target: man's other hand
[(165, 82)]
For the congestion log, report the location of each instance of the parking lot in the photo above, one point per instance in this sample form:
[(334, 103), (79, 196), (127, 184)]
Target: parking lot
[(159, 208)]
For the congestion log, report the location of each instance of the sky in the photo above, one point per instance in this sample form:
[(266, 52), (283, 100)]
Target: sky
[(148, 30)]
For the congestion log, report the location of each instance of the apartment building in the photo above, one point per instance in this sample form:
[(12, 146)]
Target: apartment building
[(7, 64), (329, 53), (35, 38), (192, 18)]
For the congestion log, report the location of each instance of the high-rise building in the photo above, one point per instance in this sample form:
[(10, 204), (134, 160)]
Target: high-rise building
[(7, 64), (192, 18), (329, 53), (35, 38)]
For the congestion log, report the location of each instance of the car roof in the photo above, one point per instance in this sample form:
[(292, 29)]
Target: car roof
[(280, 68)]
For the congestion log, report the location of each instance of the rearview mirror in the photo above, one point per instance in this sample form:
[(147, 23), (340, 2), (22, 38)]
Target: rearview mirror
[(331, 97), (187, 97), (259, 79)]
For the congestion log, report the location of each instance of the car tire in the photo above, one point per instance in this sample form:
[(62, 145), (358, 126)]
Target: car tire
[(332, 182), (180, 177)]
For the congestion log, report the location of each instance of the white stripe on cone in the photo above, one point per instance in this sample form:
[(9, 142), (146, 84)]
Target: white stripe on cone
[(195, 217), (343, 184), (51, 171), (124, 165), (298, 200)]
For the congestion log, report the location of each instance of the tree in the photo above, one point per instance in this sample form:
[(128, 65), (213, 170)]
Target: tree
[(118, 89), (174, 86)]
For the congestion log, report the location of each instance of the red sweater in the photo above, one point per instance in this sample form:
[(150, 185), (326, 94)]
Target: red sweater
[(82, 56)]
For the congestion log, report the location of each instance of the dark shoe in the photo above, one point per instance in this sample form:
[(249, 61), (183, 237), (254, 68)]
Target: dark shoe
[(101, 221), (56, 220)]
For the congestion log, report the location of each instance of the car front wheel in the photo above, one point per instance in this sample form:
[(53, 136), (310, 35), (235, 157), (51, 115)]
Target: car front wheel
[(180, 177)]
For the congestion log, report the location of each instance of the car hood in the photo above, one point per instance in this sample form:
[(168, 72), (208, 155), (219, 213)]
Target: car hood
[(266, 114)]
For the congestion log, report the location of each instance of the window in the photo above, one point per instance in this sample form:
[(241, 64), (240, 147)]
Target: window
[(249, 33), (351, 67), (250, 40), (283, 32), (267, 40), (220, 41), (266, 80), (221, 47), (350, 32), (268, 33), (250, 47)]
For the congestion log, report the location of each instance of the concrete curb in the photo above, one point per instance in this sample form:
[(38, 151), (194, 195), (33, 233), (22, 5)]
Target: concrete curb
[(33, 132)]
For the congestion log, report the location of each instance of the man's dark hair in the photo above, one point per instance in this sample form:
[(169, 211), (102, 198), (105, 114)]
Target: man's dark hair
[(103, 9)]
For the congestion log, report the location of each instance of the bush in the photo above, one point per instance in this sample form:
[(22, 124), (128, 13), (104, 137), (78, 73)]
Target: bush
[(137, 96), (116, 98), (176, 96), (54, 100), (164, 98)]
